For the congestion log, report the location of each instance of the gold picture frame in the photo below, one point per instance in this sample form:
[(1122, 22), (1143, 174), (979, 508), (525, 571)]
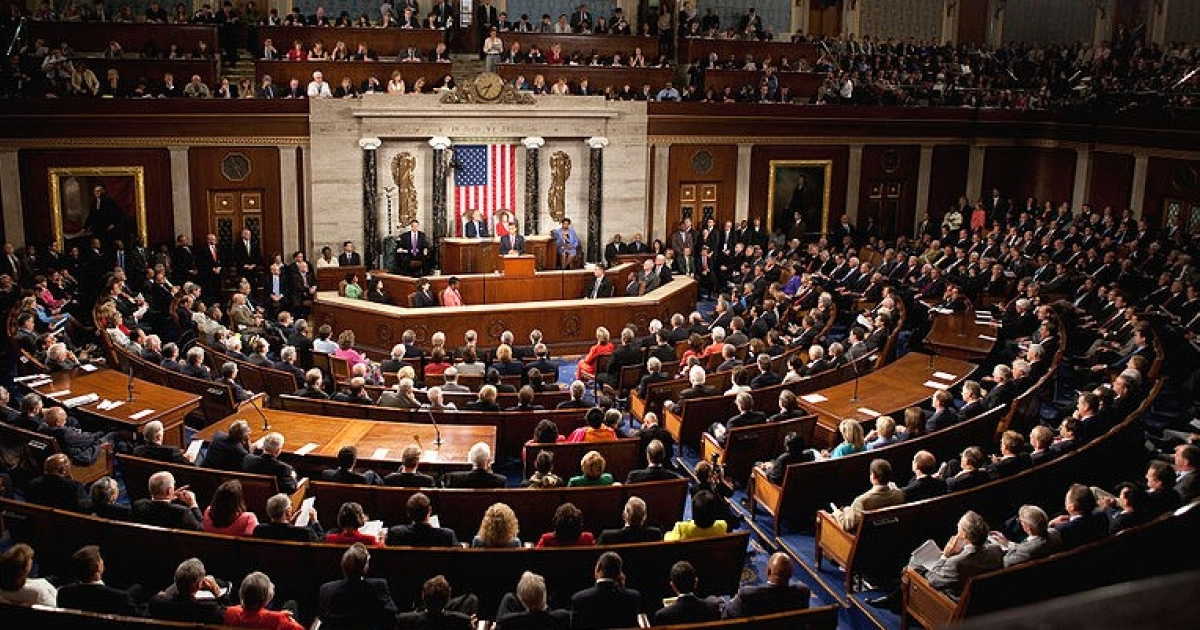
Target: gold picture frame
[(785, 175), (71, 199)]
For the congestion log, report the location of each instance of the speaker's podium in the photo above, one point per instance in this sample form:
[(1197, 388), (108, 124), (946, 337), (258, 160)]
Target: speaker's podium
[(518, 266), (462, 256)]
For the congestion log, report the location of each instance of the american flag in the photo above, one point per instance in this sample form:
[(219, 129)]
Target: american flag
[(486, 181)]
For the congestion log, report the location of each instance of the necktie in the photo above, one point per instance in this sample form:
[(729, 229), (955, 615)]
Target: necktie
[(414, 243), (121, 259), (274, 285)]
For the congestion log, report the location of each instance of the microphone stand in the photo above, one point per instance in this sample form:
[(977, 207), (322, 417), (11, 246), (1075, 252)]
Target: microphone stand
[(266, 424), (854, 365), (437, 431), (130, 384)]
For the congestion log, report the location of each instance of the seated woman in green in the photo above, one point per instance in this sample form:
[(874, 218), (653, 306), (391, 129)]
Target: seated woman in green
[(592, 466)]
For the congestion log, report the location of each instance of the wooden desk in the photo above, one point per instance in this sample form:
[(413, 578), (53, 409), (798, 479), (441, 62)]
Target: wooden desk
[(569, 324), (358, 71), (694, 49), (802, 85), (885, 391), (386, 42), (957, 335), (599, 77), (168, 406), (490, 288), (468, 255), (132, 69), (331, 434), (586, 45), (95, 36), (328, 278), (523, 266), (637, 259)]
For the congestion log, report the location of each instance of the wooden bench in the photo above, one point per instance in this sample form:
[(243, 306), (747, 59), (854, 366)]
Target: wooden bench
[(95, 36), (358, 71), (745, 446), (620, 457), (462, 509), (152, 70), (598, 77), (386, 42), (147, 554), (585, 45), (659, 393), (256, 489), (256, 378), (884, 538), (28, 450), (802, 85), (331, 366), (697, 49), (1132, 554)]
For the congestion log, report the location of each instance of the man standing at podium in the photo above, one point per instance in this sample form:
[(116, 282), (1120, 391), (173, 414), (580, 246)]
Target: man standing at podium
[(476, 227), (413, 250), (600, 287), (566, 241), (513, 242)]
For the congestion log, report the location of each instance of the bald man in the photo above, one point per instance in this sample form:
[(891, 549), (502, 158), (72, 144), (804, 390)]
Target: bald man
[(777, 595), (55, 488)]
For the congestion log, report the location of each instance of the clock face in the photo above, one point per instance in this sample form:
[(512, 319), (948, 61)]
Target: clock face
[(235, 167), (489, 85)]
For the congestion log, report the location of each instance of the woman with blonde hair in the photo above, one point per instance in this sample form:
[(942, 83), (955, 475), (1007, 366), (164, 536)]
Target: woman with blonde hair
[(852, 439), (586, 368), (396, 84), (592, 466), (499, 528)]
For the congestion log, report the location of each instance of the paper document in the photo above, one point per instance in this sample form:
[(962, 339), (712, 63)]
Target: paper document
[(868, 412), (30, 377), (38, 383), (944, 376), (380, 453), (88, 367), (987, 338), (936, 385), (61, 392), (141, 414), (927, 555), (193, 449), (305, 507), (813, 398), (307, 448), (434, 521), (371, 528), (983, 315)]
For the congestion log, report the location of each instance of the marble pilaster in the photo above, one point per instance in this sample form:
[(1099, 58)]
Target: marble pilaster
[(533, 199), (596, 145), (440, 166), (370, 195), (10, 195)]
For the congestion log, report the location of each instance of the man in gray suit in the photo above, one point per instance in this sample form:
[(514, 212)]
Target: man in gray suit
[(966, 554), (1039, 541)]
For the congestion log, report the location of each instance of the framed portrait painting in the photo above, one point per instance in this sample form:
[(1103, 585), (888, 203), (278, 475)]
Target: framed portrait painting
[(799, 191), (105, 202)]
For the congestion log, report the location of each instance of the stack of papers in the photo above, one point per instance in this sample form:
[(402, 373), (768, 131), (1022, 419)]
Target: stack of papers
[(868, 412), (944, 376), (85, 399), (107, 405), (813, 398), (936, 385), (307, 448), (141, 414)]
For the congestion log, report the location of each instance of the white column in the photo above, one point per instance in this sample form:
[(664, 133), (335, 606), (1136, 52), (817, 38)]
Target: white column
[(660, 194), (10, 187), (995, 33), (851, 19), (181, 189), (1083, 177), (1103, 22), (800, 16), (307, 206), (289, 199), (950, 20), (975, 171), (924, 180), (1156, 27), (853, 182), (1141, 165), (741, 203)]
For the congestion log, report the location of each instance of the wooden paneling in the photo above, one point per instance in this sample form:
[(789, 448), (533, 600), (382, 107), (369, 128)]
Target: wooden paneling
[(358, 71), (895, 168), (1047, 174), (35, 186), (1111, 181), (204, 170), (693, 49), (94, 37), (948, 178), (598, 77), (803, 85), (760, 174), (386, 42), (972, 21), (80, 119), (134, 69), (686, 161), (1169, 179), (585, 45)]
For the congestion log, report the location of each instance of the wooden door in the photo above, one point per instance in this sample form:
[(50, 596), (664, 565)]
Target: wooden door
[(883, 205), (698, 201), (972, 21), (231, 211), (824, 18)]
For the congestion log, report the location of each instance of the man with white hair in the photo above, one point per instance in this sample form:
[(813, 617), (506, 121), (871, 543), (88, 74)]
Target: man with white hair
[(450, 384), (153, 447), (480, 475), (527, 608), (698, 389), (267, 463), (436, 401), (400, 397), (168, 507), (318, 87)]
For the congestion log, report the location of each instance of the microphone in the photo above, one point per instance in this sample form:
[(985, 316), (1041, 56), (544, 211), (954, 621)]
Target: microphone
[(266, 424), (130, 383), (437, 431), (854, 365)]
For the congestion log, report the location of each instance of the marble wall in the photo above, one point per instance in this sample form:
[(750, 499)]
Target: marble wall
[(564, 122), (1183, 21), (1049, 21), (882, 19)]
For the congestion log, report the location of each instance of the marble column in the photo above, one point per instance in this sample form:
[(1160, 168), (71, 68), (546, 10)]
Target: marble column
[(533, 194), (10, 195), (181, 200), (924, 182), (1083, 177), (370, 202), (595, 195), (289, 197), (853, 182), (440, 166), (1141, 166), (741, 201)]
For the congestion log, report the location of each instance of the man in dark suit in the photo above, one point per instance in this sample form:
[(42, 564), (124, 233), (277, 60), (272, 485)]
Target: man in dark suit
[(83, 447), (656, 455), (944, 414), (766, 377), (55, 488), (526, 609), (654, 375), (776, 595), (513, 241), (268, 463), (347, 457), (687, 607), (153, 447), (247, 257), (419, 532), (183, 261), (747, 416), (349, 257), (1013, 458), (971, 472), (600, 286), (407, 476), (228, 449), (280, 526), (168, 507), (413, 251), (481, 476), (435, 594), (613, 249), (635, 529), (476, 227), (624, 355), (924, 485), (607, 604), (179, 601), (357, 602), (210, 262), (90, 593)]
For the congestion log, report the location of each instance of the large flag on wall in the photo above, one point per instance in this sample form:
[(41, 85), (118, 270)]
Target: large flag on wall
[(486, 180)]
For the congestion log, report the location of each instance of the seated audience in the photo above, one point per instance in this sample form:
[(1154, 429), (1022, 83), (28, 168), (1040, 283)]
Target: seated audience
[(435, 595), (687, 607), (408, 476), (227, 513), (16, 587), (704, 523), (153, 447), (607, 604), (656, 455), (883, 493), (350, 519), (168, 507), (181, 600), (480, 475), (778, 594), (592, 469), (255, 594), (357, 602), (635, 529), (89, 592), (419, 532), (568, 529), (281, 525), (527, 610), (499, 528), (347, 457), (55, 488), (543, 472)]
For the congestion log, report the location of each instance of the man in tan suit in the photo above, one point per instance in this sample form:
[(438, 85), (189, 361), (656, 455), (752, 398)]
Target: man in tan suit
[(883, 493)]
